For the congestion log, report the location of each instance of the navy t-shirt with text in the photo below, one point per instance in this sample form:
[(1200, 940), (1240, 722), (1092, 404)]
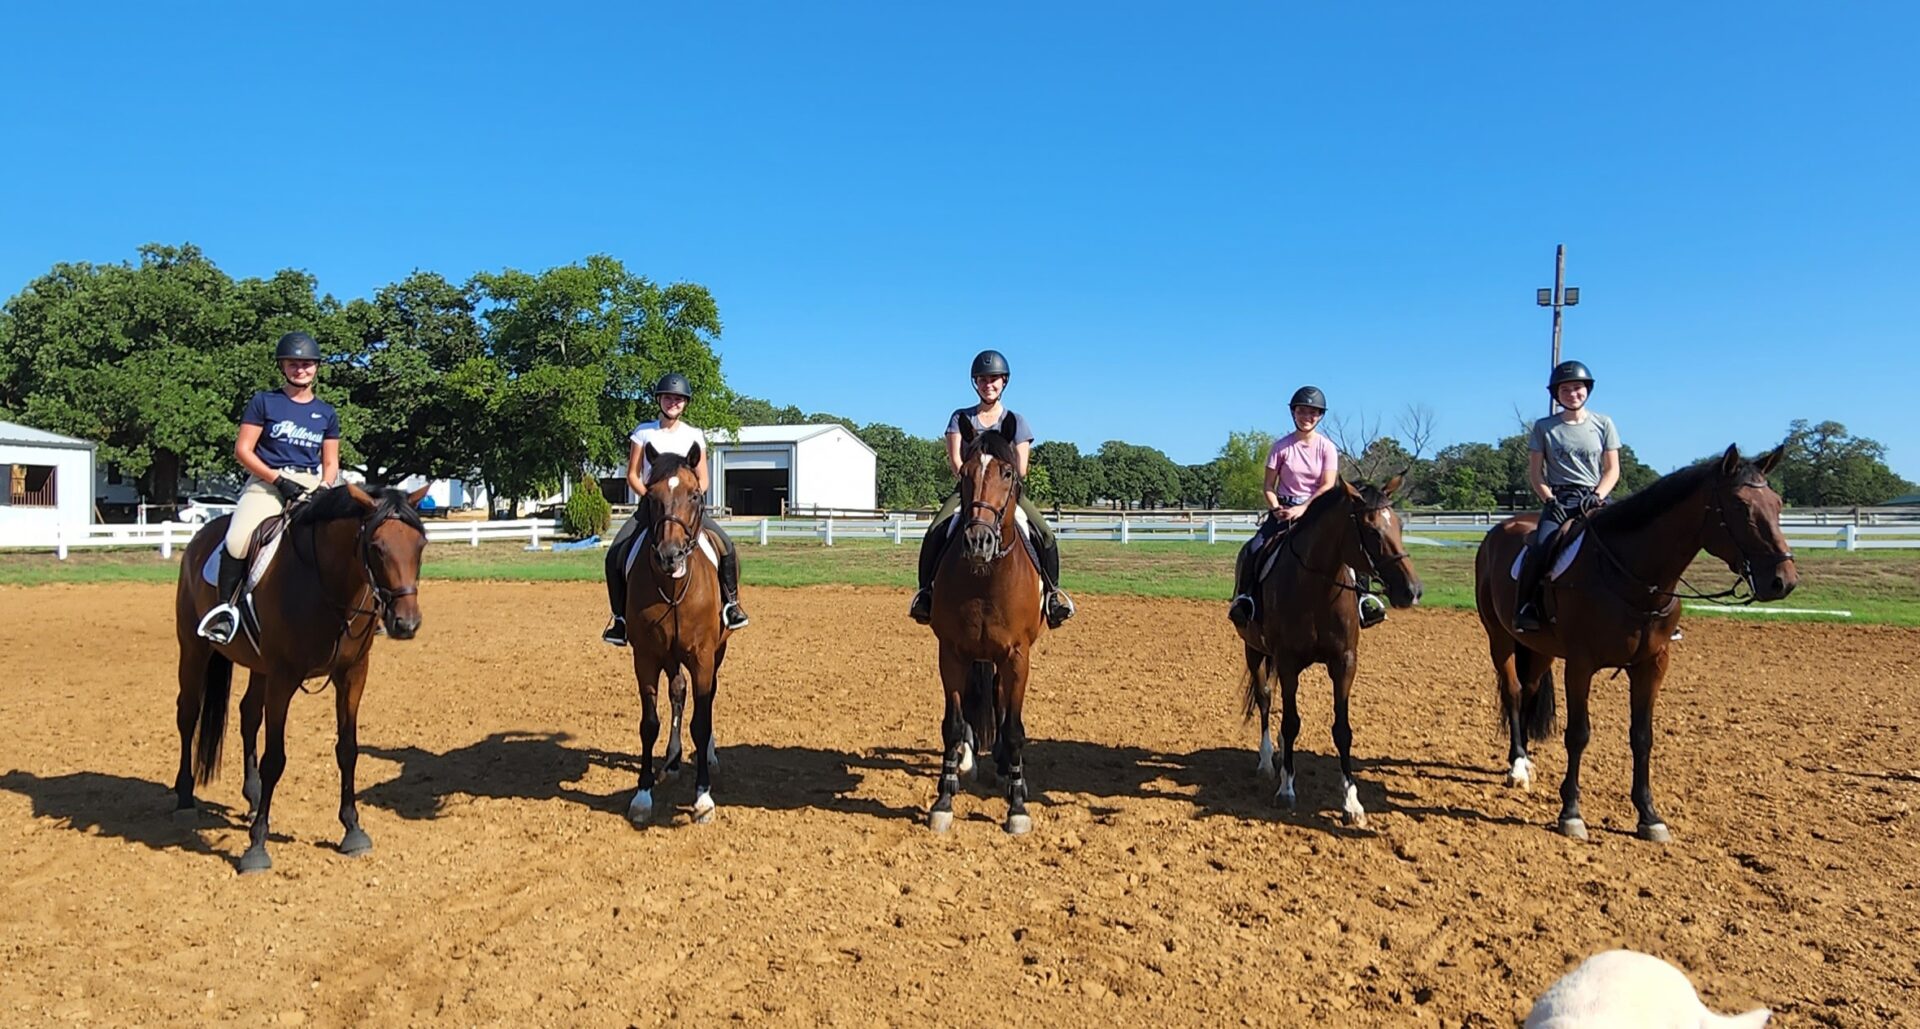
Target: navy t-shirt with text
[(291, 432)]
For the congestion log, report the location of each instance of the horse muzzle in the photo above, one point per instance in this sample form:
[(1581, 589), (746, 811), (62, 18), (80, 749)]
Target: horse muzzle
[(402, 618), (980, 543), (671, 560), (1775, 583)]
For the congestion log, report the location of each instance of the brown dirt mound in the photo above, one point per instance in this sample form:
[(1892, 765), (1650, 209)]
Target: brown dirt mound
[(1157, 886)]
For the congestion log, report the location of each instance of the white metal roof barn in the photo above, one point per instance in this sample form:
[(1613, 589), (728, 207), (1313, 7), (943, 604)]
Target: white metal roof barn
[(772, 469), (46, 479)]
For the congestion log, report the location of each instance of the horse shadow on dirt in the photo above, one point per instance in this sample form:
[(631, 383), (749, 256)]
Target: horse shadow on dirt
[(116, 806), (541, 765), (1220, 782)]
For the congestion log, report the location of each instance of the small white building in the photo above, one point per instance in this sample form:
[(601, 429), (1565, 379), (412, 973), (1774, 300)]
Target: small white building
[(48, 478), (772, 469)]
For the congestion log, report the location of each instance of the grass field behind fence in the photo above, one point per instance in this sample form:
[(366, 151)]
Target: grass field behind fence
[(1877, 586)]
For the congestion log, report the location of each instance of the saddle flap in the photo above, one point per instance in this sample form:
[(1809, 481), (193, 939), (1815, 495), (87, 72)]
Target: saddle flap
[(1568, 543), (261, 548)]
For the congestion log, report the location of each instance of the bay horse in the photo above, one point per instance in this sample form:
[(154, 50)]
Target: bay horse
[(987, 613), (674, 624), (1614, 606), (1309, 614), (349, 559)]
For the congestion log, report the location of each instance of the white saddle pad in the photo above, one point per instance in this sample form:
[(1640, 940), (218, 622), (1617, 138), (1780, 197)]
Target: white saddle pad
[(1019, 519), (1560, 564), (640, 539), (210, 571)]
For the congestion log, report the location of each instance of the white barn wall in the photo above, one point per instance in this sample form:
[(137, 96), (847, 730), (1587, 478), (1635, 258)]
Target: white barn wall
[(834, 469), (72, 486)]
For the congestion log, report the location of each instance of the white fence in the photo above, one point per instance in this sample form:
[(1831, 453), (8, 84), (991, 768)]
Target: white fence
[(1420, 530)]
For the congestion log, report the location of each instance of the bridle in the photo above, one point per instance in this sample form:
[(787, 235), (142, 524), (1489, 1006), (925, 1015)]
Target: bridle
[(663, 516), (1716, 506), (999, 512), (381, 595), (1366, 583)]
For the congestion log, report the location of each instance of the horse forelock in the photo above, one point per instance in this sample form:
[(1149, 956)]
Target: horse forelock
[(996, 446)]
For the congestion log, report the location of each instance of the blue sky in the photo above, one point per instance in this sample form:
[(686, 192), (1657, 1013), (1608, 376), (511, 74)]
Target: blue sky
[(1167, 217)]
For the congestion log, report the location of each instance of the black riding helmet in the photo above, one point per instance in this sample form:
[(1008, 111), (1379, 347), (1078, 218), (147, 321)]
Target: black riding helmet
[(674, 383), (1569, 371), (1309, 396), (296, 346), (989, 363)]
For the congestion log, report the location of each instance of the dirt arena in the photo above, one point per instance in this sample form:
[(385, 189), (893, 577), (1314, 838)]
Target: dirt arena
[(1158, 886)]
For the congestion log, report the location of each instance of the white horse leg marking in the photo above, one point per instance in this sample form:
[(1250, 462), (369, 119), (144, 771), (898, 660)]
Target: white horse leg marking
[(640, 812), (1285, 794), (703, 807), (1266, 756), (1521, 774), (1356, 815)]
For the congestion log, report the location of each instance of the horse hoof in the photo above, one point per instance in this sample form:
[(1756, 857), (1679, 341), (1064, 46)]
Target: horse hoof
[(1655, 833), (189, 815), (939, 821), (1266, 771), (703, 809), (255, 861), (1355, 819), (640, 812), (1285, 798), (1573, 828), (1019, 825), (356, 843)]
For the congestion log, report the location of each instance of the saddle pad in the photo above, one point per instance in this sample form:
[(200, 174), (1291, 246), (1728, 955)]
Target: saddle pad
[(640, 538), (1560, 564), (1019, 519), (210, 571)]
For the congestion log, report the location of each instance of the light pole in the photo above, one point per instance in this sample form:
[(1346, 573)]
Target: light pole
[(1561, 295)]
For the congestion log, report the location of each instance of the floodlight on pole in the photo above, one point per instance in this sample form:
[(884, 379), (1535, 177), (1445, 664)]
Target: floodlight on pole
[(1560, 296)]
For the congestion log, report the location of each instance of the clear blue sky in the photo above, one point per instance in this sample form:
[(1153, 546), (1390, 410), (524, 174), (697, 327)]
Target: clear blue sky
[(1167, 216)]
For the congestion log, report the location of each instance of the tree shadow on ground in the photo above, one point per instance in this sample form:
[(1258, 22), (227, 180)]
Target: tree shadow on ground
[(135, 810), (541, 765)]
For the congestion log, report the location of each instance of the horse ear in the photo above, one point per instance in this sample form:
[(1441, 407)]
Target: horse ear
[(1348, 486), (693, 456), (1392, 485), (414, 498), (1767, 461), (1730, 461), (966, 430), (1009, 427), (652, 455), (362, 497)]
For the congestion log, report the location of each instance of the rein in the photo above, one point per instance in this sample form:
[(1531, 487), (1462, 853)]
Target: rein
[(1672, 597), (1365, 585), (997, 525), (383, 597)]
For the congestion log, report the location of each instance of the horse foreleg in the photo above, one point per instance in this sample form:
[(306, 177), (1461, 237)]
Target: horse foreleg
[(1012, 737), (253, 711), (1289, 730), (1342, 669), (279, 699), (1645, 678), (706, 680), (1579, 684), (646, 672), (677, 694), (1509, 673), (348, 685), (953, 737), (1260, 698)]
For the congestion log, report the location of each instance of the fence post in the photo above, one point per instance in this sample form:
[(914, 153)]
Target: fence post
[(763, 532), (1851, 538), (829, 530), (896, 530), (59, 542), (533, 540), (1123, 527), (473, 534), (166, 541), (1212, 529)]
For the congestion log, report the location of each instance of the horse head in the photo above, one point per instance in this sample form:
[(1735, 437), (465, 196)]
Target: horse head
[(989, 490), (677, 508), (392, 541), (1746, 533), (1376, 544)]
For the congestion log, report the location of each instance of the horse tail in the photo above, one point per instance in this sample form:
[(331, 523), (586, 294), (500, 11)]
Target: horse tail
[(215, 688), (1537, 708), (978, 703), (1259, 686)]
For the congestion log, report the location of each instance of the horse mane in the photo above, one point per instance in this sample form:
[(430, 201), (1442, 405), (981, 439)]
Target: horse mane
[(999, 447), (1320, 505), (337, 502), (1639, 510)]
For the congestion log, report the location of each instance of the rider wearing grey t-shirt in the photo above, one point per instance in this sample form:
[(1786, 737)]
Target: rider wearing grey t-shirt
[(1573, 462)]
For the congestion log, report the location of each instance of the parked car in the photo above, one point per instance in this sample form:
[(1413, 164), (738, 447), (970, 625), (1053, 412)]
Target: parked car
[(205, 508)]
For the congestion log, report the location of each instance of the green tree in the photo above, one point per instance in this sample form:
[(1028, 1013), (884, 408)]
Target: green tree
[(910, 472), (587, 512), (1634, 475), (1826, 466), (1460, 490), (1131, 473), (1067, 472), (1243, 470), (397, 354), (1200, 484), (1039, 484)]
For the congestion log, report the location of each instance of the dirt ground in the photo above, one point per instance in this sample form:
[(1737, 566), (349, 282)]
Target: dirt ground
[(1158, 885)]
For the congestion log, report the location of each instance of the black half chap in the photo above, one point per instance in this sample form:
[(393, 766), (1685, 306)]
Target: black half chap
[(729, 560)]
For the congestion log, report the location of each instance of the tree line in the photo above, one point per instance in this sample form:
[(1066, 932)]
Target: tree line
[(517, 380)]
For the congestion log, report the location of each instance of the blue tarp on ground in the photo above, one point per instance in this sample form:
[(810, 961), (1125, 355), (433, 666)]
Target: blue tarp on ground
[(590, 541)]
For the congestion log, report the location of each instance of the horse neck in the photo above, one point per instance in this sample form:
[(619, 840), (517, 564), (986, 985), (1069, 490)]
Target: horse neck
[(336, 557), (1659, 552), (1322, 541)]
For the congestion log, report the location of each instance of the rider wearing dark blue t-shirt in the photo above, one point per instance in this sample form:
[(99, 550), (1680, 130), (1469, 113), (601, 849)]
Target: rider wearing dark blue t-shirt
[(291, 433)]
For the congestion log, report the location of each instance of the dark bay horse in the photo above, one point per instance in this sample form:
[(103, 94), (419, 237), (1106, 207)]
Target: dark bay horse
[(986, 614), (347, 560), (673, 624), (1309, 614), (1615, 607)]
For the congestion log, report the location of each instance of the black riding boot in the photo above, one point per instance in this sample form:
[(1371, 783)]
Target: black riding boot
[(1059, 606), (220, 625), (730, 611), (1526, 611), (616, 631), (1241, 610), (930, 546)]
